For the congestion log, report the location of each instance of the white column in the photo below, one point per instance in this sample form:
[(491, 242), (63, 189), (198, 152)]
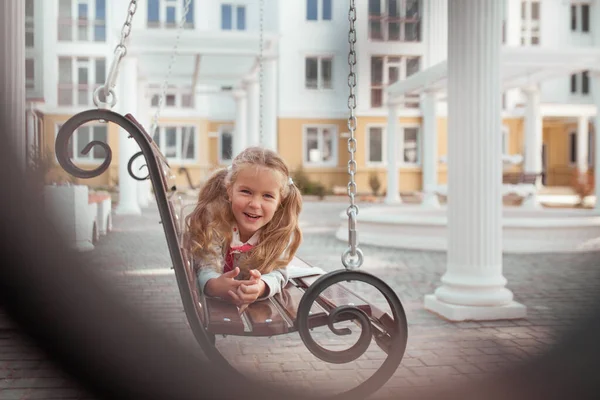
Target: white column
[(392, 192), (12, 75), (144, 192), (127, 103), (582, 144), (253, 104), (512, 27), (240, 134), (430, 149), (270, 101), (595, 77), (533, 140), (435, 31), (473, 287)]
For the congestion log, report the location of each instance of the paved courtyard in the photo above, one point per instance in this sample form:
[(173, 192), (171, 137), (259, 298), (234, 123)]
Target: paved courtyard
[(556, 288)]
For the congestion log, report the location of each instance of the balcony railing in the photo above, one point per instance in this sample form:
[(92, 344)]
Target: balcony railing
[(81, 30), (169, 25), (398, 29), (73, 94)]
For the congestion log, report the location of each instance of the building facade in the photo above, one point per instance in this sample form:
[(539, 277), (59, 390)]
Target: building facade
[(233, 76)]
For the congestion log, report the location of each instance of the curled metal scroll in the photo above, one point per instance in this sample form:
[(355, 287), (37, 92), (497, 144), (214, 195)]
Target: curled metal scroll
[(62, 153), (137, 132), (395, 347), (130, 167)]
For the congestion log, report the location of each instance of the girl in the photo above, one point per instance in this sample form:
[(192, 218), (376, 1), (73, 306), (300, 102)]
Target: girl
[(244, 230)]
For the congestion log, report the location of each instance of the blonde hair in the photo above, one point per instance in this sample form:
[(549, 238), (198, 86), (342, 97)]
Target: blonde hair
[(211, 221)]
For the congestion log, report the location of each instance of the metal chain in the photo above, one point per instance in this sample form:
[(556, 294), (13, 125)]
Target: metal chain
[(260, 75), (352, 258), (120, 51), (186, 10)]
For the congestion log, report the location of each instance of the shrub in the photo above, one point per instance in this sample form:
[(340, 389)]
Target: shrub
[(374, 183)]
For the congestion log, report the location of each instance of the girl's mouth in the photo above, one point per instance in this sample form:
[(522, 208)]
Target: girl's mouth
[(252, 216)]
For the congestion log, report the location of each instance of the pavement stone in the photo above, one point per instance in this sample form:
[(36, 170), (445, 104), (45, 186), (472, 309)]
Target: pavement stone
[(557, 289)]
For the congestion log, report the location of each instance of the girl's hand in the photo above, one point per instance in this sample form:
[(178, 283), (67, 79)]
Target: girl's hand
[(224, 284), (249, 292)]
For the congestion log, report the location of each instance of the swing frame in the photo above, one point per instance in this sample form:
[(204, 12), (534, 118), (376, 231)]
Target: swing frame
[(304, 304)]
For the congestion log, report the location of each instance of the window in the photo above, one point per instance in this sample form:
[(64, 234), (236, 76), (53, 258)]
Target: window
[(82, 20), (29, 23), (580, 83), (505, 140), (580, 17), (395, 20), (386, 70), (409, 145), (30, 74), (573, 148), (320, 145), (318, 74), (78, 78), (177, 143), (375, 142), (530, 22), (168, 14), (233, 17), (225, 146), (312, 10), (180, 98), (84, 135)]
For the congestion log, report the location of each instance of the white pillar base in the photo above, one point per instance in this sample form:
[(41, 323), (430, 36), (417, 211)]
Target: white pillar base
[(430, 200), (532, 202), (82, 246), (391, 199), (128, 209), (454, 312)]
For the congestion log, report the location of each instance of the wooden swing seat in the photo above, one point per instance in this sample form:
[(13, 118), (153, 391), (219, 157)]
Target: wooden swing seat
[(308, 301)]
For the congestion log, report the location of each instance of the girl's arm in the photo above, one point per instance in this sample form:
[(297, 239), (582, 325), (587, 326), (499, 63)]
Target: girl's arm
[(274, 281)]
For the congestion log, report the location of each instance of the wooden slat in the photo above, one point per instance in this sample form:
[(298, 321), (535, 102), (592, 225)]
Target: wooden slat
[(223, 318), (338, 295), (265, 319), (289, 300)]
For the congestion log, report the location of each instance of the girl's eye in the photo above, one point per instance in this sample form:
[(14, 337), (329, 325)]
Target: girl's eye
[(245, 191), (270, 196)]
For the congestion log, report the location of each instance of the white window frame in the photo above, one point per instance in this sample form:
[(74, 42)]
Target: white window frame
[(590, 159), (400, 139), (334, 147), (177, 92), (88, 159), (91, 18), (368, 161), (163, 6), (320, 80), (399, 148), (30, 23), (222, 130), (178, 160), (530, 28), (401, 64), (234, 17), (320, 5), (578, 77), (75, 64), (505, 139), (384, 20), (578, 5)]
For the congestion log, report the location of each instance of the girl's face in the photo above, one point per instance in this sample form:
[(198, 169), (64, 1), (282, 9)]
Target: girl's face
[(255, 195)]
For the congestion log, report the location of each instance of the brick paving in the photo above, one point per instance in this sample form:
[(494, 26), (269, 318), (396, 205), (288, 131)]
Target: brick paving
[(557, 289)]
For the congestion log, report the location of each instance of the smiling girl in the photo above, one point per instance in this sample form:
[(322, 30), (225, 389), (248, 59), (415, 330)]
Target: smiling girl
[(244, 230)]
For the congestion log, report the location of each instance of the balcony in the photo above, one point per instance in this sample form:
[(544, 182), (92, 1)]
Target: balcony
[(394, 29), (81, 30), (73, 94)]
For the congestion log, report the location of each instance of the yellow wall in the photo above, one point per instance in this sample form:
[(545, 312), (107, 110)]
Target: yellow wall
[(198, 172), (290, 139)]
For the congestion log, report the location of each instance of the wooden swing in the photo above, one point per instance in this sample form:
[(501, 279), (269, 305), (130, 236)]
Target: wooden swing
[(306, 302)]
